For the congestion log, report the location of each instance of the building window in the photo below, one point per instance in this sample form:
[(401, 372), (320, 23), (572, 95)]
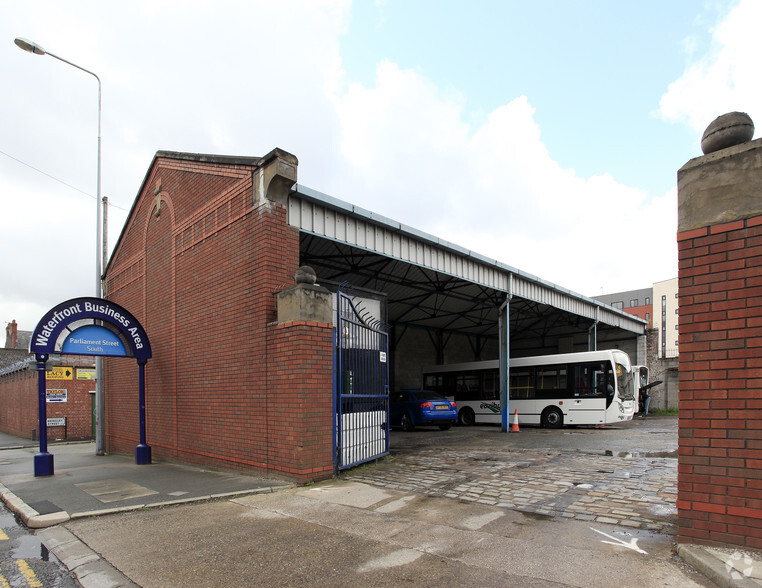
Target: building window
[(664, 326), (633, 302), (618, 305), (648, 316), (648, 300)]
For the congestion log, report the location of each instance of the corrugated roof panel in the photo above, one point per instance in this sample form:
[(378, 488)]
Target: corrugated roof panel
[(319, 214)]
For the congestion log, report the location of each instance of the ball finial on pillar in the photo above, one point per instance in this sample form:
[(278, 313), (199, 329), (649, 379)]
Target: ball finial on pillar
[(727, 130), (305, 275)]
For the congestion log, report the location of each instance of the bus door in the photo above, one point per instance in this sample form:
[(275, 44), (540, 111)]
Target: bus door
[(590, 392)]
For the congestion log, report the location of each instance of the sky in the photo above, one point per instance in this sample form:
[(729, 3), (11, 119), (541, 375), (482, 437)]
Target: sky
[(544, 135)]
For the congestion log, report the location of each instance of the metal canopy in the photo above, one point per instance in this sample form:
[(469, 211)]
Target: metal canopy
[(435, 285)]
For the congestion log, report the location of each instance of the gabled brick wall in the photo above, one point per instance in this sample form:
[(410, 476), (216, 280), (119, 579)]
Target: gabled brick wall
[(720, 294), (202, 255)]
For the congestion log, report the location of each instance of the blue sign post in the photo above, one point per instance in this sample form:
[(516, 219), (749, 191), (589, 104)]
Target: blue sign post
[(43, 461), (89, 326)]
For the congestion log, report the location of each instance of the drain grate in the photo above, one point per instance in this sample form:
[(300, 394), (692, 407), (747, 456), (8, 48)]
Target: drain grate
[(45, 507)]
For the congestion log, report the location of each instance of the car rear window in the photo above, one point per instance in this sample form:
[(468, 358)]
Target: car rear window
[(428, 395)]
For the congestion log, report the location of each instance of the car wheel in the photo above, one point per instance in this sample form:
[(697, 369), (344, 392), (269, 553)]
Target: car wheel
[(552, 418), (466, 417), (445, 427), (406, 422)]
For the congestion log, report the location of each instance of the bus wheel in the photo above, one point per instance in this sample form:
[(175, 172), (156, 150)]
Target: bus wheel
[(407, 423), (552, 418), (466, 417)]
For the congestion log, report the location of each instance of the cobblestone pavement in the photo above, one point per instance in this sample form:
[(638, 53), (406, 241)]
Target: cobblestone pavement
[(636, 492)]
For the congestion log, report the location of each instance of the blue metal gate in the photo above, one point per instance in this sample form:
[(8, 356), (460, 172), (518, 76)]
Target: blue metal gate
[(361, 384)]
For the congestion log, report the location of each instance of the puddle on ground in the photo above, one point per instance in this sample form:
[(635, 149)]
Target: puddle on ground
[(23, 544), (30, 547)]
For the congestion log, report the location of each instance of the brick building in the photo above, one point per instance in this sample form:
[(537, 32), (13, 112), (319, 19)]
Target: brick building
[(720, 301), (198, 250), (70, 386)]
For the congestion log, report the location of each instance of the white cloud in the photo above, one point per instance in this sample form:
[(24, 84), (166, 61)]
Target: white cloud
[(495, 188), (175, 77), (726, 78)]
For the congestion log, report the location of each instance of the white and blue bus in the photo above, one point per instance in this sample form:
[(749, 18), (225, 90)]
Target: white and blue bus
[(589, 388)]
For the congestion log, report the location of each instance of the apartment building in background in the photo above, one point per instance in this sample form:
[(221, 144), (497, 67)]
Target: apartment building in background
[(635, 302), (657, 305), (665, 317)]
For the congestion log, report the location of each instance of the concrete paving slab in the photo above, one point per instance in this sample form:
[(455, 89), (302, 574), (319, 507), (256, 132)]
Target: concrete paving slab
[(100, 574), (348, 494), (115, 490)]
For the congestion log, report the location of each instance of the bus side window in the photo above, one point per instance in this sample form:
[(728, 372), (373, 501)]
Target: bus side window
[(490, 386), (448, 385), (600, 382), (604, 378), (522, 384), (551, 382), (467, 387), (585, 379)]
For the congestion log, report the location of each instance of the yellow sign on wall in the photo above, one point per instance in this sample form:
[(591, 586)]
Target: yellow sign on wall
[(85, 373), (60, 372)]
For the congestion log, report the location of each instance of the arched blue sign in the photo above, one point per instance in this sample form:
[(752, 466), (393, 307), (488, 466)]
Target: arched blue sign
[(89, 326), (52, 330)]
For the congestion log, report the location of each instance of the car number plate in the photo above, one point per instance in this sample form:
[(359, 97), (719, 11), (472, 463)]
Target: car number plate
[(442, 407)]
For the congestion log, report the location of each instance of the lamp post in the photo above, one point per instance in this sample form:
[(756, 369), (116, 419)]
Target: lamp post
[(36, 49)]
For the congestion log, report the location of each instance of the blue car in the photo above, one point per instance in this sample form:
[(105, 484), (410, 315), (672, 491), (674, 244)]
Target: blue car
[(411, 408)]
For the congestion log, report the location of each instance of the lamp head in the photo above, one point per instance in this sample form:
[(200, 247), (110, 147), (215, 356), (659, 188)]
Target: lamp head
[(30, 46)]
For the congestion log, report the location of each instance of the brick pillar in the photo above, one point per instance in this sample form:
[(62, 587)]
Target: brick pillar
[(300, 381), (720, 275)]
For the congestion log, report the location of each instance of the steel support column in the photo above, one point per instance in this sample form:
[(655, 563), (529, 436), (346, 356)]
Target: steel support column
[(504, 328)]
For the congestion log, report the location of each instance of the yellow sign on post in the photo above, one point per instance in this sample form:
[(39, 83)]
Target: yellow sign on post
[(60, 372)]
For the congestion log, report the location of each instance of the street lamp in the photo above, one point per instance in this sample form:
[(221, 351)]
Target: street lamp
[(33, 47)]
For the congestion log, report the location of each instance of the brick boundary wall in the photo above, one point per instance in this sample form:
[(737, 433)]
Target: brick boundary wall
[(720, 424), (299, 411), (19, 405)]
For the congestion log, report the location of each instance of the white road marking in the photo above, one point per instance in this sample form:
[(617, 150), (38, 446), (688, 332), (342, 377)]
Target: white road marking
[(632, 544)]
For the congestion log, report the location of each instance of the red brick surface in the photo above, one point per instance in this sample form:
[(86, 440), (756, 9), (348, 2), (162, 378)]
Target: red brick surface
[(19, 404), (226, 386), (720, 452)]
